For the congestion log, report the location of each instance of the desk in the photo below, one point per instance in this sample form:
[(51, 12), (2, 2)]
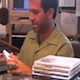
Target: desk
[(8, 47), (10, 77)]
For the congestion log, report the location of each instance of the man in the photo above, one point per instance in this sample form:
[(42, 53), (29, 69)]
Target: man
[(45, 39)]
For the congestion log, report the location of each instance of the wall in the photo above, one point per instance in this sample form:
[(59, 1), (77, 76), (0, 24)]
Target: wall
[(68, 27), (68, 23)]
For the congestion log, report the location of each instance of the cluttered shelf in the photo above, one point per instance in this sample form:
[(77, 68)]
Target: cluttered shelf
[(21, 22)]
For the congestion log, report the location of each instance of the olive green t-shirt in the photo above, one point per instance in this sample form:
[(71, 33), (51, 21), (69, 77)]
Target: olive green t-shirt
[(56, 44)]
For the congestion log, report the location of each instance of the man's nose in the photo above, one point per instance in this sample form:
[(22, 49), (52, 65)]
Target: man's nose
[(31, 17)]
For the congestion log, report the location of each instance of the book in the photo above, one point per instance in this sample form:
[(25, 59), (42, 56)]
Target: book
[(56, 67)]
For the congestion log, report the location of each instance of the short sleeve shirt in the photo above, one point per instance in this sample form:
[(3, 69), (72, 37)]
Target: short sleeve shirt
[(56, 44)]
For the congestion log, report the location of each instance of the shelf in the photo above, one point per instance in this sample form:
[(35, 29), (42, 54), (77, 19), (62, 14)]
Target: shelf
[(22, 21), (16, 34), (19, 36)]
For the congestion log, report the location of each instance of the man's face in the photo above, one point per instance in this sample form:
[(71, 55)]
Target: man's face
[(37, 16)]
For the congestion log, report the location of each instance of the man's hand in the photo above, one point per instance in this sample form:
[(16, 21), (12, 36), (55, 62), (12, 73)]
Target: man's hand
[(1, 54), (21, 69)]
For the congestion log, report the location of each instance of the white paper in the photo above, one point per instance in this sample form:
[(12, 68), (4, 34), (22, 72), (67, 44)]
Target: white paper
[(68, 23), (59, 61), (2, 31), (66, 3), (77, 7), (50, 66)]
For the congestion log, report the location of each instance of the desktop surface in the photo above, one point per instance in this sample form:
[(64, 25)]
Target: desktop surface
[(11, 77)]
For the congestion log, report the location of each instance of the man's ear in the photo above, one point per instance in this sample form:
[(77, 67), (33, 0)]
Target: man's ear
[(50, 13)]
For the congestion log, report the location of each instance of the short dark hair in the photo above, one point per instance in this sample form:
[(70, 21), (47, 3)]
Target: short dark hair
[(47, 4)]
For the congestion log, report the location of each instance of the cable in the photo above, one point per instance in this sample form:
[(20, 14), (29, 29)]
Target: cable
[(20, 28)]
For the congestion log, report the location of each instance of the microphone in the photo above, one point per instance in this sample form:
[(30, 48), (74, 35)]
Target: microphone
[(4, 16)]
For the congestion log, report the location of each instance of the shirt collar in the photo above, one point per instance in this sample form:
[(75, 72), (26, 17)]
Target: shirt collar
[(33, 35), (51, 39)]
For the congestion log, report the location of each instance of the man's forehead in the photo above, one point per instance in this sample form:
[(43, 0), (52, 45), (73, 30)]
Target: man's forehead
[(35, 1)]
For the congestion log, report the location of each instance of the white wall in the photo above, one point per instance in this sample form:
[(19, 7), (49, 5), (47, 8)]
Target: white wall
[(68, 23)]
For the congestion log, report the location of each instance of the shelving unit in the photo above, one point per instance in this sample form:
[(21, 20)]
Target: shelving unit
[(16, 34)]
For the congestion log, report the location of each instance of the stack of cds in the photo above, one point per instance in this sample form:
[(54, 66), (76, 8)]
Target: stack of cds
[(56, 67)]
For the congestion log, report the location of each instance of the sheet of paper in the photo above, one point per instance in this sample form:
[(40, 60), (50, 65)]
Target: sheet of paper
[(2, 31), (58, 61), (68, 23), (66, 3)]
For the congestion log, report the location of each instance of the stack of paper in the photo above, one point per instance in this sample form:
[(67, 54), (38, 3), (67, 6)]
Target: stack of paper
[(56, 67)]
